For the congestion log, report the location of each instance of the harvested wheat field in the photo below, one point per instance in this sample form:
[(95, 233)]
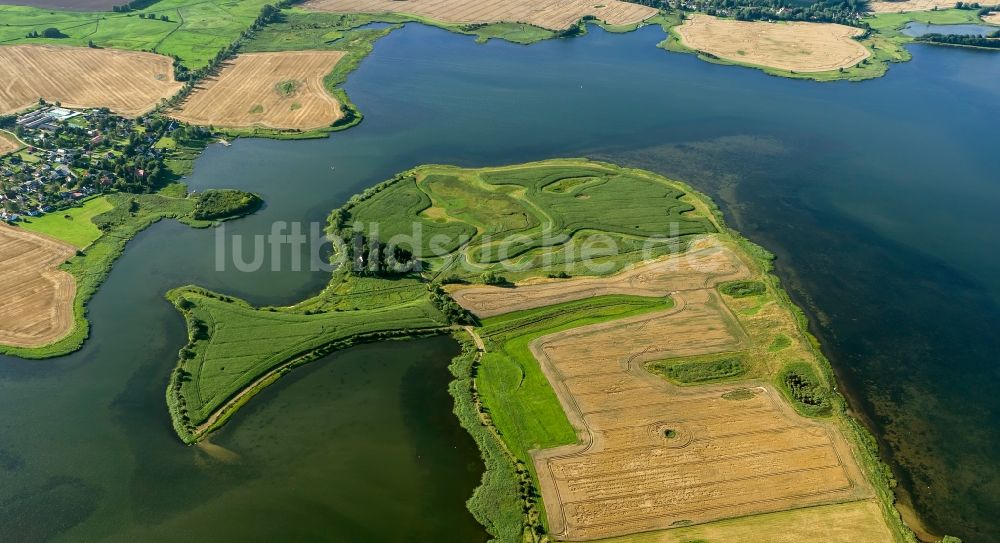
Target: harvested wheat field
[(274, 90), (127, 82), (798, 46), (36, 299), (707, 263), (992, 18), (910, 5), (654, 456), (852, 522), (550, 14), (8, 143)]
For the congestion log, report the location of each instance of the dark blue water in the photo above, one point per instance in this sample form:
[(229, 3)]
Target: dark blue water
[(879, 198)]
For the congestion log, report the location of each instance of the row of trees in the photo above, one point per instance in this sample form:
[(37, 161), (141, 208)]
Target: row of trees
[(133, 5), (989, 41), (846, 12)]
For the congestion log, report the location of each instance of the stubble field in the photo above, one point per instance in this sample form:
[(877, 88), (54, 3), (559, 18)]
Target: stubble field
[(705, 262), (127, 82), (654, 456), (550, 14), (910, 5), (275, 90), (36, 299), (798, 46)]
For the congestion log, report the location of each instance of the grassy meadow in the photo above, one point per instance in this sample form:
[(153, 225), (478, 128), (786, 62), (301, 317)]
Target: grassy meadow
[(74, 225), (530, 215), (196, 30)]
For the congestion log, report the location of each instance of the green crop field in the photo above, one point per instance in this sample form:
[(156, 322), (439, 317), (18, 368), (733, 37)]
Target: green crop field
[(196, 30), (74, 225)]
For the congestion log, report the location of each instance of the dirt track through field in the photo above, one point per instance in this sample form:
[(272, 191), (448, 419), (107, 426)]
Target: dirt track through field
[(36, 299), (798, 46), (550, 14), (249, 92), (654, 456), (127, 82)]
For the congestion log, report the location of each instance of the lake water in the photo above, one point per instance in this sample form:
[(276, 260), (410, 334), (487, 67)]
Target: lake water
[(880, 200), (919, 29)]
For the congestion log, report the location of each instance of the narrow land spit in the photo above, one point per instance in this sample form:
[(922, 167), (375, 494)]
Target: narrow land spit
[(797, 46), (129, 83), (36, 299), (550, 14), (275, 90)]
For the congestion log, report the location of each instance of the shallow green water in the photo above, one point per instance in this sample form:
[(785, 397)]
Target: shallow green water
[(879, 198)]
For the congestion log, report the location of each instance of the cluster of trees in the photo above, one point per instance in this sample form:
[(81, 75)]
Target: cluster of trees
[(50, 32), (806, 392), (846, 12), (493, 278), (153, 16), (455, 313), (369, 256), (990, 41), (219, 203)]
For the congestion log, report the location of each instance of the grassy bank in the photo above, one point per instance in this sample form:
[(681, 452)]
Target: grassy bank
[(121, 217)]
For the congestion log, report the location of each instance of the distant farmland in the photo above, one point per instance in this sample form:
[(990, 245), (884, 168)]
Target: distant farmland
[(557, 15), (129, 83), (75, 5)]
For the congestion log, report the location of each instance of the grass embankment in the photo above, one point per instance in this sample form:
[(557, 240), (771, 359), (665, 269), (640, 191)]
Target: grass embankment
[(195, 31), (127, 215)]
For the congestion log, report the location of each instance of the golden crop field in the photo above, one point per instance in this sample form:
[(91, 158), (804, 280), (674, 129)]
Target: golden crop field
[(36, 298), (129, 83), (550, 14), (275, 90), (797, 46)]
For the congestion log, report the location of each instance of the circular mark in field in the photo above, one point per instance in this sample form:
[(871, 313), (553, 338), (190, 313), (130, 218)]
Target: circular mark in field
[(671, 434)]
